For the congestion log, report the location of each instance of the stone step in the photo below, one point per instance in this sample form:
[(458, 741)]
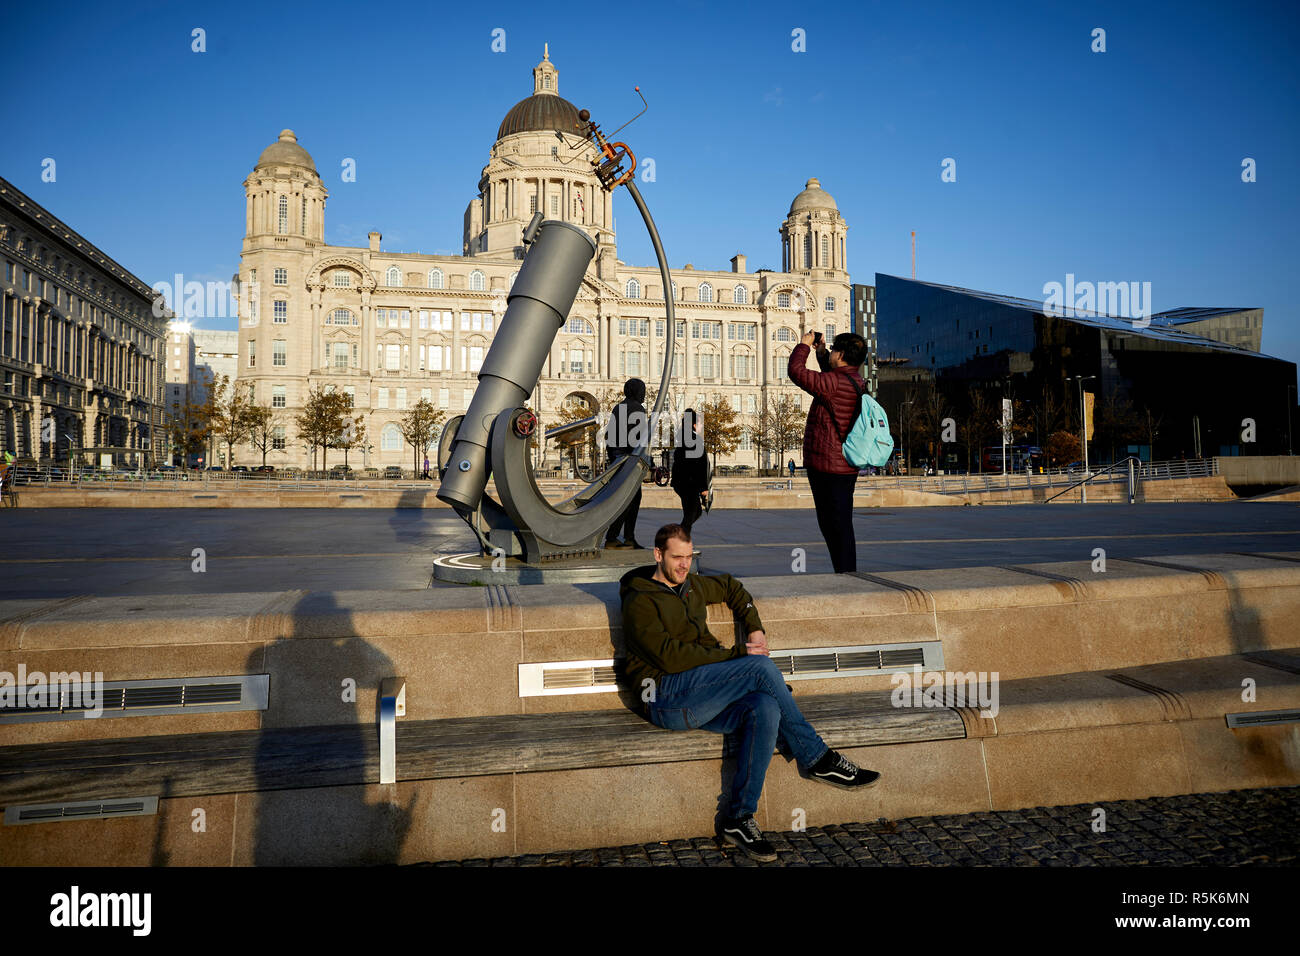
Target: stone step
[(460, 647)]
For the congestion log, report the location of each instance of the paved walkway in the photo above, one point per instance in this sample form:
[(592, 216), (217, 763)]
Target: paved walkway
[(59, 552), (1236, 828)]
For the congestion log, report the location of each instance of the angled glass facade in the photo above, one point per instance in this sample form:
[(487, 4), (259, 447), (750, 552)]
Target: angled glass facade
[(1187, 394)]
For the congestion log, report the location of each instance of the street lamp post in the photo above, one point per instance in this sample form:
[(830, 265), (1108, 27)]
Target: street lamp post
[(907, 454)]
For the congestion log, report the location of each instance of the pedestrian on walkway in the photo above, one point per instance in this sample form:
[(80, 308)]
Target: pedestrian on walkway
[(627, 427), (690, 471), (426, 467), (792, 468), (837, 396)]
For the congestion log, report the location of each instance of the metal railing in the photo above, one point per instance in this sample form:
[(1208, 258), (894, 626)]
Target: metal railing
[(1062, 478)]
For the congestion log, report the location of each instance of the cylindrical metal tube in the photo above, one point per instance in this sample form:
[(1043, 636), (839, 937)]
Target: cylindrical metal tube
[(539, 304)]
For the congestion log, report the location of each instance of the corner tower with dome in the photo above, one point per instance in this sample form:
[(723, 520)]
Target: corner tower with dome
[(392, 328)]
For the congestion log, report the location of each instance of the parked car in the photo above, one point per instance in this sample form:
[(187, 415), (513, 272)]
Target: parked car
[(392, 471)]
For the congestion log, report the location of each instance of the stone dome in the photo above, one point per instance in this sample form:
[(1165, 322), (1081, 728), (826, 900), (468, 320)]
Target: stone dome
[(540, 112), (285, 151), (812, 197)]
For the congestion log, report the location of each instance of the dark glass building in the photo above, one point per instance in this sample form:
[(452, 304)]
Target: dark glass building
[(1184, 383)]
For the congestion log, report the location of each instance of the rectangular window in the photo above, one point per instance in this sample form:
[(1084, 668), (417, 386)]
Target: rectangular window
[(281, 276), (421, 358), (394, 358), (277, 438), (381, 318), (464, 321), (477, 319), (426, 395), (444, 398), (277, 396), (406, 318), (401, 398), (555, 205), (279, 353), (382, 399), (475, 359), (281, 312), (252, 355), (487, 321), (435, 359), (660, 328), (424, 318), (340, 355)]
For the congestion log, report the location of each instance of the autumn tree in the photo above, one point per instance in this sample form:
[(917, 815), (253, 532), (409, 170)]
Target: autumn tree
[(232, 414), (352, 434), (262, 422), (321, 420), (718, 427), (189, 422), (419, 426), (779, 425)]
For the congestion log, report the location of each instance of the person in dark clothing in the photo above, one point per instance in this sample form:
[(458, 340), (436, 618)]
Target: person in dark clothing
[(690, 469), (791, 467), (689, 681), (837, 395), (628, 426)]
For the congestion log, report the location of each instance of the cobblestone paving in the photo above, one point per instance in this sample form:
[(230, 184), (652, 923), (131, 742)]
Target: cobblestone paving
[(1236, 828)]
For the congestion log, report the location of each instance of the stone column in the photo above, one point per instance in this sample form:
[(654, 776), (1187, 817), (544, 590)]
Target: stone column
[(317, 330), (455, 364), (367, 332)]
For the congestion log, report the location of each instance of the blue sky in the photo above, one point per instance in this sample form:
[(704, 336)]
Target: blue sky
[(1116, 166)]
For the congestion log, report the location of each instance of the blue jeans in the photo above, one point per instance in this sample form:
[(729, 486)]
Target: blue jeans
[(747, 696)]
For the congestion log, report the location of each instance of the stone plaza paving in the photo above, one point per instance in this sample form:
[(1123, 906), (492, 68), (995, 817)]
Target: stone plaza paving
[(61, 552), (1234, 828)]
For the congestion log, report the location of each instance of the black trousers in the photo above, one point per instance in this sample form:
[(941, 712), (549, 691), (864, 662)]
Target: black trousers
[(833, 496), (691, 508), (626, 522)]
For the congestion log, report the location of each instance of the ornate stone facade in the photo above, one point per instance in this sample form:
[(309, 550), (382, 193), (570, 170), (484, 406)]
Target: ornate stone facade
[(392, 327), (81, 346)]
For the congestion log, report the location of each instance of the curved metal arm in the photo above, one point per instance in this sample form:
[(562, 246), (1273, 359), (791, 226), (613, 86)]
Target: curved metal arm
[(668, 305)]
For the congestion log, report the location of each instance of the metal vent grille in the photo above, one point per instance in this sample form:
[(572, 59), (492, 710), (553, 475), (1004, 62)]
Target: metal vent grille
[(82, 810), (807, 663), (1264, 718), (138, 698)]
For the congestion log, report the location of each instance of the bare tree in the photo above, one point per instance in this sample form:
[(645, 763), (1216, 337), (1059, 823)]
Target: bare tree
[(419, 426)]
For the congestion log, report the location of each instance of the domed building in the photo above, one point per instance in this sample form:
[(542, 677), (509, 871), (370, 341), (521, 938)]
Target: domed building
[(392, 328)]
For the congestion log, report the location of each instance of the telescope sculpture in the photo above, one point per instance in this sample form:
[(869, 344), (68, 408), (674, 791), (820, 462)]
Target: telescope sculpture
[(491, 439)]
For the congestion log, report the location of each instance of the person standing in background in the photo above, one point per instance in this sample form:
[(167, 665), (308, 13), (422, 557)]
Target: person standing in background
[(837, 395), (690, 469)]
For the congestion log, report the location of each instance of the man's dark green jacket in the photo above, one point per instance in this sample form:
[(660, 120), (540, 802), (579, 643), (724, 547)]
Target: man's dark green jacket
[(667, 634)]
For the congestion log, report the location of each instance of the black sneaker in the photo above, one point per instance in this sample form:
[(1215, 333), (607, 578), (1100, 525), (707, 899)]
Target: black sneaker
[(634, 545), (615, 545), (838, 771), (745, 834)]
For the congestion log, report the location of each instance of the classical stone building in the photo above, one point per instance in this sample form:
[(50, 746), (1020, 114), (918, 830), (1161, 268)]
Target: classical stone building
[(391, 328), (79, 358)]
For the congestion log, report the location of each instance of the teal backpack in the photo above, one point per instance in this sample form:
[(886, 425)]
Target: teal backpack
[(869, 441)]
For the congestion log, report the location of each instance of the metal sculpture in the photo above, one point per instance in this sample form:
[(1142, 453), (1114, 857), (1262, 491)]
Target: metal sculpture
[(491, 439)]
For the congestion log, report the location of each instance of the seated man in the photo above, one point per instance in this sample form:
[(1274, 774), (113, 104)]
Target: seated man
[(691, 682)]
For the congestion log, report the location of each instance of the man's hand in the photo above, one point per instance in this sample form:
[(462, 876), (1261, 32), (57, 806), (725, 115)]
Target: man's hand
[(757, 644), (809, 338)]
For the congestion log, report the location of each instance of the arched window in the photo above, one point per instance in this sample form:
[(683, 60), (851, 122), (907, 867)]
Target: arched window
[(476, 281), (341, 317), (706, 292), (394, 276), (284, 215), (435, 278), (580, 326), (739, 295), (784, 334), (633, 289), (391, 438)]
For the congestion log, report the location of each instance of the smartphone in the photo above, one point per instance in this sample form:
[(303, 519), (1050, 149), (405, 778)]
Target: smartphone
[(817, 340)]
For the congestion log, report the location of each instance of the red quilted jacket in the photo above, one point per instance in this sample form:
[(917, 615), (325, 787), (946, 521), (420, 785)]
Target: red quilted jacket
[(822, 440)]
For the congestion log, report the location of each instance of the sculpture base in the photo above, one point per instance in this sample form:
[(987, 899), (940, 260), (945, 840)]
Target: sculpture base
[(476, 569)]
